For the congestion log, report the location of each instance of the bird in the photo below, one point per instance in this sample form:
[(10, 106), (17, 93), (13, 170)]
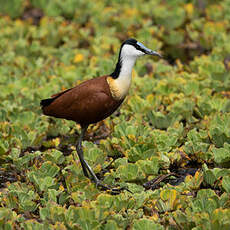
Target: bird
[(95, 99)]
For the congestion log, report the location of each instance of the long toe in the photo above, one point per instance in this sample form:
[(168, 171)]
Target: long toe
[(112, 190), (102, 186), (119, 190)]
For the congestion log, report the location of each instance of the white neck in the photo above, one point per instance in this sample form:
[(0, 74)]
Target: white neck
[(123, 81), (125, 74), (119, 86)]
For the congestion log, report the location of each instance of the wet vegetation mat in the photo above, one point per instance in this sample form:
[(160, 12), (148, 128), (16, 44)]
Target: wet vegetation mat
[(169, 144)]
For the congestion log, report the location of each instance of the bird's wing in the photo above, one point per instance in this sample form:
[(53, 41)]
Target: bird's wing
[(60, 93), (93, 108), (83, 107), (48, 101)]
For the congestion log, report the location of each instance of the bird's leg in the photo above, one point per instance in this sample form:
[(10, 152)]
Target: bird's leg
[(79, 150), (86, 168)]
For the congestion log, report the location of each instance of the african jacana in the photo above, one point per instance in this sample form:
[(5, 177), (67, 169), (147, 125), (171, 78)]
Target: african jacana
[(98, 98)]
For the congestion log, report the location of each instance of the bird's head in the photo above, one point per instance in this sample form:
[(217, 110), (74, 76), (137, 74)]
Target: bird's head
[(133, 48)]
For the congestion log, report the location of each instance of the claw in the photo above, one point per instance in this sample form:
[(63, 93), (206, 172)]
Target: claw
[(113, 191), (103, 186)]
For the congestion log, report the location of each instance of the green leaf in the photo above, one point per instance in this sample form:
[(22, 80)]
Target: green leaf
[(55, 156), (219, 131), (206, 201), (3, 148), (146, 224), (226, 183), (130, 172), (13, 8), (111, 225), (149, 167), (222, 155)]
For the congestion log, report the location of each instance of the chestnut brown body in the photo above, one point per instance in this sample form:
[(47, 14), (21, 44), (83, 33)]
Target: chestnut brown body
[(87, 103), (96, 99)]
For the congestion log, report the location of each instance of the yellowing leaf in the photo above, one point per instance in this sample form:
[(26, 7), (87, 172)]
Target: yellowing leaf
[(189, 8), (172, 198), (131, 12), (134, 73), (52, 76), (18, 22), (108, 9), (97, 169), (150, 98), (61, 188), (179, 64), (78, 58), (131, 137), (93, 61)]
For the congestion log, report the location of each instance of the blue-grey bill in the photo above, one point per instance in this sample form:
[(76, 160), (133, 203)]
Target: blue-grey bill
[(149, 51), (155, 53)]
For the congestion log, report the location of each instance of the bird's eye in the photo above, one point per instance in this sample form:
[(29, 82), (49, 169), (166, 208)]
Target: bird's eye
[(138, 47)]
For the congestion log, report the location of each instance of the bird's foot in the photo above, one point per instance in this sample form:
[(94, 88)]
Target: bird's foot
[(112, 190)]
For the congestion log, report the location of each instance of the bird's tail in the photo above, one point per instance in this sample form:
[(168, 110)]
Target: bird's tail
[(47, 102)]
